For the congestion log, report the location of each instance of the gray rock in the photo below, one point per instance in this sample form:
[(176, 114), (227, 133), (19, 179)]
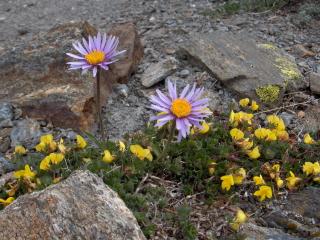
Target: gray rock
[(5, 166), (255, 232), (184, 73), (80, 207), (287, 118), (158, 72), (4, 144), (122, 90), (6, 123), (311, 121), (26, 133), (315, 82), (6, 111), (243, 65)]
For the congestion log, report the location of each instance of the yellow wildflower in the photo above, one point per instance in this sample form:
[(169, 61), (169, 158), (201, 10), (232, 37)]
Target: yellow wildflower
[(141, 153), (308, 139), (20, 150), (277, 122), (236, 118), (281, 134), (26, 173), (52, 158), (46, 144), (311, 168), (62, 148), (279, 182), (254, 153), (236, 134), (316, 179), (240, 218), (122, 146), (81, 143), (244, 102), (212, 168), (205, 128), (239, 176), (274, 171), (292, 180), (227, 182), (254, 106), (7, 201), (245, 144), (107, 157), (45, 163), (266, 134), (258, 180), (263, 193)]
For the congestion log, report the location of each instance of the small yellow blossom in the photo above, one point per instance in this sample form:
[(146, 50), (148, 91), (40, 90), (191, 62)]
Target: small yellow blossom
[(81, 143), (240, 218), (239, 176), (227, 182), (254, 106), (46, 144), (7, 201), (258, 180), (240, 117), (254, 153), (244, 102), (205, 128), (236, 134), (62, 148), (279, 182), (307, 139), (107, 157), (277, 122), (266, 134), (263, 193), (212, 168), (311, 168), (245, 144), (316, 179), (26, 173), (122, 146), (141, 152), (292, 180), (281, 134), (20, 150), (274, 171), (52, 158)]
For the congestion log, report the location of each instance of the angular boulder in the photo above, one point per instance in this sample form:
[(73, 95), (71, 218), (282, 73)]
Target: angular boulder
[(256, 70), (34, 75), (80, 207)]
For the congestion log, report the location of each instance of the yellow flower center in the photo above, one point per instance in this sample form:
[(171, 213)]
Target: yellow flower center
[(95, 57), (181, 108)]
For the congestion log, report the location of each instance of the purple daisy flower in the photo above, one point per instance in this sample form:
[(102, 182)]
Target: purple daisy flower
[(187, 110), (98, 51)]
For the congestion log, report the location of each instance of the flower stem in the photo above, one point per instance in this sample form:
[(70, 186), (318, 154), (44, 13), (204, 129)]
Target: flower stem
[(101, 128), (171, 133)]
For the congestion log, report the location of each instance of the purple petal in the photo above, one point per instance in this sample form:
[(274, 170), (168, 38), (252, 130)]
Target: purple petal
[(158, 108), (77, 63), (104, 40), (91, 45), (157, 117), (98, 41), (75, 56), (197, 94), (179, 137), (79, 48), (203, 101), (158, 101), (163, 97), (184, 91), (85, 44), (190, 94), (161, 123), (172, 90)]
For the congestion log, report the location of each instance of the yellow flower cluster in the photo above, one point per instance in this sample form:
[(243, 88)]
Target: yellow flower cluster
[(307, 139), (240, 218), (51, 159), (245, 102), (233, 179), (141, 153), (26, 173), (313, 169)]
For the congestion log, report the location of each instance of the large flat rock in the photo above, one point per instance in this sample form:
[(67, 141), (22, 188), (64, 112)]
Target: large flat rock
[(81, 207), (34, 75), (257, 70)]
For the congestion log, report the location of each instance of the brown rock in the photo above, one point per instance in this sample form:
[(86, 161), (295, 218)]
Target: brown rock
[(311, 121), (81, 207), (34, 75), (303, 51)]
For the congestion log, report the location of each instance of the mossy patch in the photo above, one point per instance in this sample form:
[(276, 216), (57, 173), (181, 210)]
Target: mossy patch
[(288, 69), (268, 46), (269, 93)]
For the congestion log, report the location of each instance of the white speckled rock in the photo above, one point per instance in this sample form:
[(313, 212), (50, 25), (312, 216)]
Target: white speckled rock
[(80, 207)]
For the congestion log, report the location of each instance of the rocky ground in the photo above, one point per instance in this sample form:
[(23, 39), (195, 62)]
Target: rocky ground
[(163, 27)]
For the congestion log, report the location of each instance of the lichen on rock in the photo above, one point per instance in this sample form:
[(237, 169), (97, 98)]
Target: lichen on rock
[(268, 94), (288, 69)]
